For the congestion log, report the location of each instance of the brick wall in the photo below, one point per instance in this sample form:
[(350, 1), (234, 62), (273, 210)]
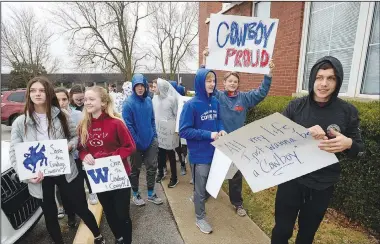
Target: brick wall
[(286, 51)]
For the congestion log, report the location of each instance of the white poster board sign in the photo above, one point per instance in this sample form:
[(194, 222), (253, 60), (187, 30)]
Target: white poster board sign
[(232, 171), (51, 157), (273, 150), (240, 43), (181, 101), (167, 137), (107, 174), (219, 168)]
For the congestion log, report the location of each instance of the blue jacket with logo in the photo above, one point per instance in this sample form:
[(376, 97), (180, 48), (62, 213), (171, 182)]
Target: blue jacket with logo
[(200, 116), (233, 109), (139, 116)]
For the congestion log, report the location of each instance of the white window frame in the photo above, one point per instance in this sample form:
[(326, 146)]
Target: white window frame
[(358, 58), (254, 7), (225, 9)]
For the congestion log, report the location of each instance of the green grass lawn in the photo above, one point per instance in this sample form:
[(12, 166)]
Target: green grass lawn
[(260, 208)]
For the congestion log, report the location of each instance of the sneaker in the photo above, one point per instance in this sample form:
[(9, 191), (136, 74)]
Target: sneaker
[(159, 178), (173, 183), (138, 200), (183, 170), (99, 240), (241, 211), (119, 241), (191, 182), (155, 199), (204, 226), (71, 221), (61, 213), (93, 198)]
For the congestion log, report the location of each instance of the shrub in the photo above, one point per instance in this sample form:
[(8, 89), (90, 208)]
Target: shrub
[(357, 194)]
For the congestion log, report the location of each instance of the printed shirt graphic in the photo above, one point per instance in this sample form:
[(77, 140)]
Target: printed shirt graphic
[(209, 115), (96, 137)]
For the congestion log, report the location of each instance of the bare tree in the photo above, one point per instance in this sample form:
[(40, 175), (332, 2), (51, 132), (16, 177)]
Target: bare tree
[(103, 34), (174, 29), (25, 43)]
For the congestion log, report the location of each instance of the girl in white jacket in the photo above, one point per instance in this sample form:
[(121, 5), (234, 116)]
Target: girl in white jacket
[(165, 111)]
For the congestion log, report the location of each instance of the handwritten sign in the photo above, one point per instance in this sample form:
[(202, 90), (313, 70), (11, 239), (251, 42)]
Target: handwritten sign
[(51, 157), (239, 43), (181, 101), (107, 174), (273, 150), (167, 138)]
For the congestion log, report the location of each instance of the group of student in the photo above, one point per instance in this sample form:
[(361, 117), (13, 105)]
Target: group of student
[(89, 120)]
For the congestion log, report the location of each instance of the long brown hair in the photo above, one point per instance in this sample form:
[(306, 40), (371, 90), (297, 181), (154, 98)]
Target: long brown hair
[(51, 100), (108, 108)]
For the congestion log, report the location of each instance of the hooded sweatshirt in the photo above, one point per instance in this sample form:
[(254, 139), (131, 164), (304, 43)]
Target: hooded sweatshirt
[(108, 137), (165, 105), (334, 113), (234, 108), (181, 90), (139, 116), (200, 116)]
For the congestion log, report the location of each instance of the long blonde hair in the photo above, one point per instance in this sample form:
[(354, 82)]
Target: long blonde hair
[(109, 109)]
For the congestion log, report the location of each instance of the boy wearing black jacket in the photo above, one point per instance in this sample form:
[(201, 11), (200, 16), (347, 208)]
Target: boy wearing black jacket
[(334, 122)]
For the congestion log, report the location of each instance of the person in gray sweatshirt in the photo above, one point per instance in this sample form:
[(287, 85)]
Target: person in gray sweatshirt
[(234, 106)]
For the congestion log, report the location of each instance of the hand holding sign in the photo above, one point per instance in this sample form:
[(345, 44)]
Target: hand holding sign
[(89, 159), (38, 179), (337, 144)]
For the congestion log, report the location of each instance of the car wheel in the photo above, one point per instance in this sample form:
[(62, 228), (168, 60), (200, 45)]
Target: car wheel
[(12, 119)]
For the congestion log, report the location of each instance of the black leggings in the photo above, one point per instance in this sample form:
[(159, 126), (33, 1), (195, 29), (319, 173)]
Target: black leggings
[(74, 191), (162, 162), (116, 207), (64, 200), (180, 153)]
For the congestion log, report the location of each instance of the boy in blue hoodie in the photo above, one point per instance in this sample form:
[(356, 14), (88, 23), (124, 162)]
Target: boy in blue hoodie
[(139, 117), (200, 125), (234, 109)]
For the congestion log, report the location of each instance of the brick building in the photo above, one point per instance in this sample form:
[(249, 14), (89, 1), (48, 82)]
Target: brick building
[(306, 32)]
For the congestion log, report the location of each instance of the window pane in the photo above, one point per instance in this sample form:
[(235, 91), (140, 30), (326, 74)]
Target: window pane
[(17, 97), (262, 9), (332, 31), (371, 78), (322, 5)]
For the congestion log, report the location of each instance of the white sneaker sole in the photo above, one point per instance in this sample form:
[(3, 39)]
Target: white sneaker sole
[(157, 203), (203, 230), (142, 204), (174, 184)]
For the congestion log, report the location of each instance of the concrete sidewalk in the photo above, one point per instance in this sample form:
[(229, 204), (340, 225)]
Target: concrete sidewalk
[(228, 227), (152, 224)]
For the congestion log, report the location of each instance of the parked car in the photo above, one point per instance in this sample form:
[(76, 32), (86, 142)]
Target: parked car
[(19, 210), (12, 105)]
